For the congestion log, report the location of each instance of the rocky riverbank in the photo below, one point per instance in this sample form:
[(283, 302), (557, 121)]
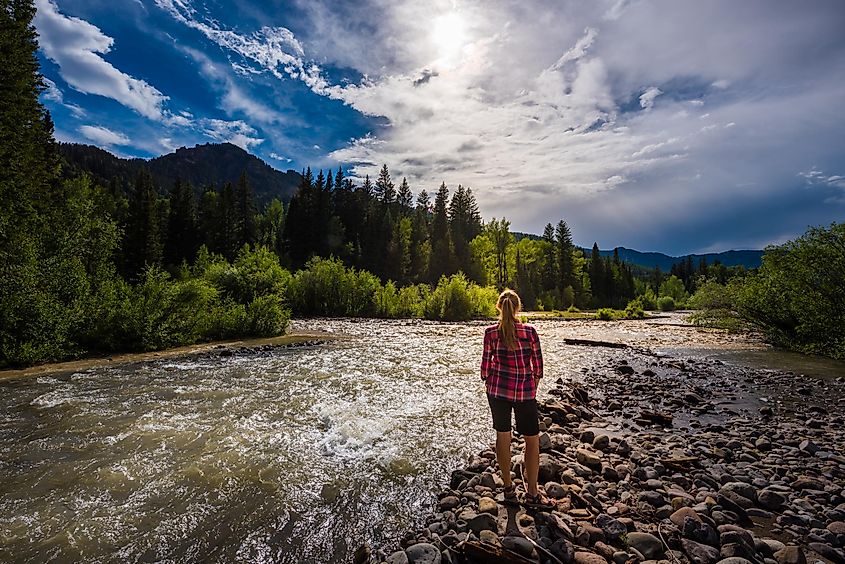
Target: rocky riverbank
[(659, 459)]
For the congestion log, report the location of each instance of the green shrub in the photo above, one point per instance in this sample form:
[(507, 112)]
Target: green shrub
[(634, 309), (573, 309), (666, 303), (605, 314), (267, 316), (648, 301)]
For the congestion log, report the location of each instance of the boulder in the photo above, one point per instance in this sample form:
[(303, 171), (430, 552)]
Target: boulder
[(645, 543), (588, 459), (482, 522), (423, 553)]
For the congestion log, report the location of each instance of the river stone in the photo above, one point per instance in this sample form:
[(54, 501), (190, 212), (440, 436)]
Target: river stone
[(741, 488), (423, 553), (773, 544), (678, 516), (587, 458), (518, 544), (807, 483), (589, 558), (700, 553), (837, 527), (398, 557), (790, 555), (555, 490), (587, 437), (652, 498), (647, 544), (601, 442), (550, 468), (488, 505), (482, 522), (564, 550), (489, 537), (734, 560), (770, 499), (809, 446), (613, 528), (449, 502)]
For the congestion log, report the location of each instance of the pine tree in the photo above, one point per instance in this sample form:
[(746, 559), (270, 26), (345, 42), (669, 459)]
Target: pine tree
[(385, 192), (207, 219), (549, 258), (423, 202), (565, 270), (141, 242), (246, 226), (228, 239), (597, 275), (182, 234), (405, 198), (442, 257)]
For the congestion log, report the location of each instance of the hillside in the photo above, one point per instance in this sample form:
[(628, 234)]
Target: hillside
[(746, 258), (201, 165)]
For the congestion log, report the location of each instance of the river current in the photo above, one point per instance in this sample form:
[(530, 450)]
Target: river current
[(292, 455)]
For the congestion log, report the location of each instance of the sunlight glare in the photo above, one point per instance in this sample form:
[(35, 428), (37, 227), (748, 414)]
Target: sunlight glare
[(449, 36)]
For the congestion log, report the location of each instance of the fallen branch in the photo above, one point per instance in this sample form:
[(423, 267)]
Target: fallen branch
[(589, 343)]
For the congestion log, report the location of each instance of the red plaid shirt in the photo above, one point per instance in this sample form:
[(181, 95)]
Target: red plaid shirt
[(511, 374)]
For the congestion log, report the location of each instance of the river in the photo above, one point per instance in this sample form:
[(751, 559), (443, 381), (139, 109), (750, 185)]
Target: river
[(292, 455)]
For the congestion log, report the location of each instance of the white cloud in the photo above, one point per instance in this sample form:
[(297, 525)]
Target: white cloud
[(52, 92), (103, 136), (277, 157), (77, 46), (647, 97), (236, 132)]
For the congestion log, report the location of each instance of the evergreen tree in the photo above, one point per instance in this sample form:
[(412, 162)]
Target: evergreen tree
[(207, 220), (385, 192), (227, 227), (405, 197), (182, 234), (442, 256), (271, 227), (298, 223), (549, 258), (565, 270), (141, 240), (423, 202), (597, 275), (246, 226)]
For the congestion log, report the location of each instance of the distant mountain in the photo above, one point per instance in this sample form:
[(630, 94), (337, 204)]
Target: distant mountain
[(748, 259), (202, 165)]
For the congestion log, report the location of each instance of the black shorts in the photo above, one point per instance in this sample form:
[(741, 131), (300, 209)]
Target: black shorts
[(527, 422)]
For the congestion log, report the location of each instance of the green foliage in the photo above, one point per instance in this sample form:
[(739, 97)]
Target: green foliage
[(634, 309), (797, 298), (666, 303), (606, 314), (647, 300), (673, 287), (573, 309), (716, 307)]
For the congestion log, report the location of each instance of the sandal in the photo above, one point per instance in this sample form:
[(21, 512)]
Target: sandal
[(538, 501), (509, 493)]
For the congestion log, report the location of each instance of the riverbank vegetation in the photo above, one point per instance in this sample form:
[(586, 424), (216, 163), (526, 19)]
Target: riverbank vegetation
[(796, 299)]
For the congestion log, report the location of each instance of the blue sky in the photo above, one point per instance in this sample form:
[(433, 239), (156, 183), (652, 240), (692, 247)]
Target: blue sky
[(669, 126)]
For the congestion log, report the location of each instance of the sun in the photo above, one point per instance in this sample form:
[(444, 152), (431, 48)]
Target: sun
[(449, 36)]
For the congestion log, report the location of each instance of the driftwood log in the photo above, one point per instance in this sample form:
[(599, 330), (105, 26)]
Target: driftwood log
[(589, 343)]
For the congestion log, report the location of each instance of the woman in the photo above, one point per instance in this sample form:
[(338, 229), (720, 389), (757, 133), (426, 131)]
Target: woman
[(511, 366)]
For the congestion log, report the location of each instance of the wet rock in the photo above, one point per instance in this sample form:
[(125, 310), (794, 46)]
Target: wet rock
[(613, 528), (837, 527), (833, 554), (742, 489), (423, 553), (700, 532), (555, 490), (489, 537), (699, 553), (808, 446), (652, 498), (807, 483), (647, 544)]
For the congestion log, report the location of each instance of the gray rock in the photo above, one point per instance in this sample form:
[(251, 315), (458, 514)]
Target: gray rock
[(550, 468), (740, 488), (613, 528), (678, 516), (555, 490), (489, 537), (734, 560), (770, 499), (652, 498), (833, 554), (646, 543), (449, 502), (589, 558), (587, 437), (482, 522), (563, 550), (398, 557), (423, 553), (700, 553)]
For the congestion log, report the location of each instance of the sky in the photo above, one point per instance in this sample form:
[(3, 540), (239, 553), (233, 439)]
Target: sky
[(662, 125)]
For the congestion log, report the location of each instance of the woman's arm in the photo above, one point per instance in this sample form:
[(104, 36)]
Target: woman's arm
[(536, 356), (487, 355)]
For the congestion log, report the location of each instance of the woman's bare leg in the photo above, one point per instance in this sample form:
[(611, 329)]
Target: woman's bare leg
[(532, 463), (503, 455)]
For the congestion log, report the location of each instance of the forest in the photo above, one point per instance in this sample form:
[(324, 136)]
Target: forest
[(99, 266)]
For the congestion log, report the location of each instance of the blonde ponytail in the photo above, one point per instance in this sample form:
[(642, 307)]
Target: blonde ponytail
[(509, 306)]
